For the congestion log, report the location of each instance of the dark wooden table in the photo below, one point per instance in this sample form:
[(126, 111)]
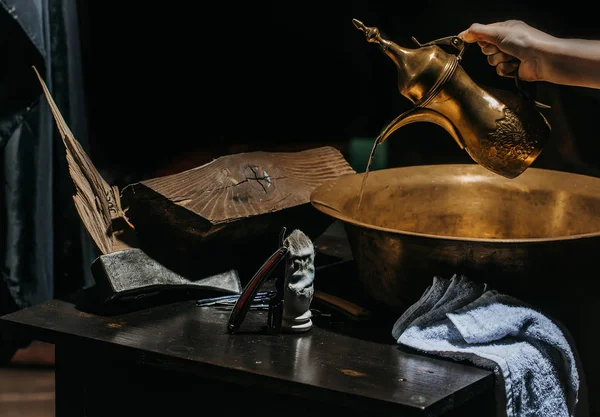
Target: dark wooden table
[(177, 358), (173, 358)]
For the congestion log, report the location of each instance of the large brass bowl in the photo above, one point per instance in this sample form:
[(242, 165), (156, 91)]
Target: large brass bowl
[(532, 237)]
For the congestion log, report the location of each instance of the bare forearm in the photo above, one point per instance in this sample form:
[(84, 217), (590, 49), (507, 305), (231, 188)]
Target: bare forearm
[(573, 62)]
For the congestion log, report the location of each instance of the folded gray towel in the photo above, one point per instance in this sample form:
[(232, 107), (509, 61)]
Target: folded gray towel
[(534, 359)]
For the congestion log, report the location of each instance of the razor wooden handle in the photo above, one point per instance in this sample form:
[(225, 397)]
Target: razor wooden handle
[(242, 305)]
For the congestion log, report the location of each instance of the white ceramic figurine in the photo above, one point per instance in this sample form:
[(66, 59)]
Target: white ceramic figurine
[(298, 283)]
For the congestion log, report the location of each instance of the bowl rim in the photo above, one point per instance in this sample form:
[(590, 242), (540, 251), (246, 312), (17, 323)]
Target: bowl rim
[(331, 211)]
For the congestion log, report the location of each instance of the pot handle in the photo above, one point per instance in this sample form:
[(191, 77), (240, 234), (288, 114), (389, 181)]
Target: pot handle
[(454, 41)]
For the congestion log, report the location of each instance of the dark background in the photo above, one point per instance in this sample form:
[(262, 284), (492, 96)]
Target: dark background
[(171, 87)]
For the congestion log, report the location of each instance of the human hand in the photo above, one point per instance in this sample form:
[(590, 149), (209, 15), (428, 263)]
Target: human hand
[(513, 47)]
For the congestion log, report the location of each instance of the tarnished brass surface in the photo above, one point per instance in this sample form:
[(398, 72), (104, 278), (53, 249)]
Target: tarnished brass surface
[(524, 235), (502, 131)]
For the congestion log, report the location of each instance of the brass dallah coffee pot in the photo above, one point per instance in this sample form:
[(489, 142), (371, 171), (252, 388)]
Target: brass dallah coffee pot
[(502, 131)]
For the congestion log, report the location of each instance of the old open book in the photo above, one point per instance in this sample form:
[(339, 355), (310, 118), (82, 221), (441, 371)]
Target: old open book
[(232, 207)]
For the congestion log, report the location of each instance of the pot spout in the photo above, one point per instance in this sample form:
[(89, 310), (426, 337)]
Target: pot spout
[(420, 114)]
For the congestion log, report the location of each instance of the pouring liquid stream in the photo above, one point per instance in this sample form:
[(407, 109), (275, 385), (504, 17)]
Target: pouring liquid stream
[(364, 181)]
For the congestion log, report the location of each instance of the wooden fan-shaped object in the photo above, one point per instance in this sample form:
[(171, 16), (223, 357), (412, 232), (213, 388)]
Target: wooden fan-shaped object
[(225, 214)]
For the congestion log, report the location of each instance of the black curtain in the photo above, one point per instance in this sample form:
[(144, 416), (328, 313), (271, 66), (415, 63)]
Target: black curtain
[(44, 249)]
